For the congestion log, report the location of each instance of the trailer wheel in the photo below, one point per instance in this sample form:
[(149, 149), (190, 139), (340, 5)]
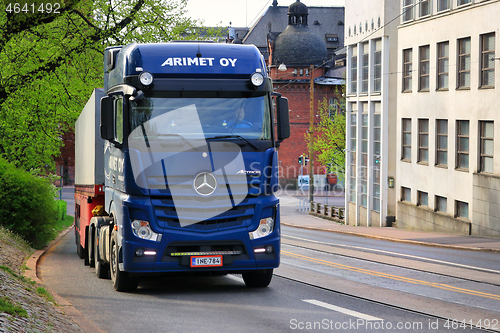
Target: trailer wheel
[(101, 268), (90, 247), (86, 248), (79, 248), (258, 279), (121, 280)]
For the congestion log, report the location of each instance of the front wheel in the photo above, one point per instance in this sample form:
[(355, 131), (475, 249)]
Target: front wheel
[(258, 279), (121, 280)]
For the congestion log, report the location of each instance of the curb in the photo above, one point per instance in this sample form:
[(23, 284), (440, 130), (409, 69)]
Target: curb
[(67, 308), (397, 240)]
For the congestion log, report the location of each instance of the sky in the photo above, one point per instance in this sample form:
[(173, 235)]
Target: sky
[(241, 13)]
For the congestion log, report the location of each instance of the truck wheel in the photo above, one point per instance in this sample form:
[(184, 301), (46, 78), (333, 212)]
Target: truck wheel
[(86, 248), (79, 248), (121, 280), (258, 279), (90, 247), (101, 268)]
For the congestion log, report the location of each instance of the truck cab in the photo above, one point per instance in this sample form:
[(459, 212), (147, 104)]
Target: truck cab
[(189, 163)]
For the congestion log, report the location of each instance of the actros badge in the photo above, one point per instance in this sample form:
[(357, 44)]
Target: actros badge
[(205, 183)]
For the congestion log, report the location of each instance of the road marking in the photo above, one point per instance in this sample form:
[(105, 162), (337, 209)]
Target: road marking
[(342, 310), (393, 277), (398, 254)]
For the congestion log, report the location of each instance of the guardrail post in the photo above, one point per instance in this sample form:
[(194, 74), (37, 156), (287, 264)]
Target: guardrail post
[(311, 206), (325, 211), (318, 208), (341, 213)]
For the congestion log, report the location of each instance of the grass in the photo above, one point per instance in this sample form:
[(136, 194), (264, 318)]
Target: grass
[(19, 277), (8, 307), (12, 238), (45, 293)]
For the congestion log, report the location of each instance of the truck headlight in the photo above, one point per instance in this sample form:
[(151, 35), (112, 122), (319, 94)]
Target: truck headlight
[(257, 79), (146, 78), (142, 230), (266, 227)]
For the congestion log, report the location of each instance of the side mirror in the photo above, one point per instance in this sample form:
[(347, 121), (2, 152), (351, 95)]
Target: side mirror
[(107, 122), (283, 118)]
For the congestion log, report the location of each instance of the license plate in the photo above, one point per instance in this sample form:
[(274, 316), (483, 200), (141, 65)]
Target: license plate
[(206, 261)]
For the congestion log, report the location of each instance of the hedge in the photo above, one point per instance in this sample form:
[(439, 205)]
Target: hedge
[(28, 207)]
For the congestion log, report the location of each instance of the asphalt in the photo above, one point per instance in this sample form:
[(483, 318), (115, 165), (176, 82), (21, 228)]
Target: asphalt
[(290, 204), (293, 217)]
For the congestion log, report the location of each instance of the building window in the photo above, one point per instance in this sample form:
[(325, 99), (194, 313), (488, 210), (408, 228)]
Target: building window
[(405, 194), (442, 142), (461, 209), (463, 2), (407, 69), (364, 157), (364, 69), (488, 60), (486, 146), (354, 70), (422, 198), (333, 107), (423, 141), (443, 63), (377, 66), (376, 156), (464, 63), (463, 144), (440, 205), (407, 10), (425, 8), (352, 191), (443, 5), (406, 140), (423, 82)]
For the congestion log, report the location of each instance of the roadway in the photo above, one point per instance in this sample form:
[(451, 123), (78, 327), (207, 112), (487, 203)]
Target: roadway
[(326, 281)]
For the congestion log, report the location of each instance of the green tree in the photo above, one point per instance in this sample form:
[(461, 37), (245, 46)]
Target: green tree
[(50, 62), (329, 139)]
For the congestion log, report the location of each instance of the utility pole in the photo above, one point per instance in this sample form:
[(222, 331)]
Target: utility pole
[(311, 136)]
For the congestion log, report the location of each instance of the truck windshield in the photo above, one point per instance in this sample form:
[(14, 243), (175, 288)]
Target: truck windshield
[(201, 118)]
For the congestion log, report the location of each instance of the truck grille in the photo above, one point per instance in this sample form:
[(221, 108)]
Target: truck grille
[(224, 216)]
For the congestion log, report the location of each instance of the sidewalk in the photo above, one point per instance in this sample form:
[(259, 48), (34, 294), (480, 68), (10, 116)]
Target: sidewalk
[(290, 216)]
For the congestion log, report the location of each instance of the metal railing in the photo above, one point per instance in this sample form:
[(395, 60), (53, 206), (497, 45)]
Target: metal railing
[(322, 210)]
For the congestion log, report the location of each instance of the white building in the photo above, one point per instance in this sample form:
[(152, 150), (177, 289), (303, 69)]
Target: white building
[(442, 104), (371, 111), (448, 164)]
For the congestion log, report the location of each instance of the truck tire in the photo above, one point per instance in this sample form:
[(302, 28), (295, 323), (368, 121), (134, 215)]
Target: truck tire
[(121, 280), (86, 248), (101, 268), (258, 279), (79, 248), (90, 247)]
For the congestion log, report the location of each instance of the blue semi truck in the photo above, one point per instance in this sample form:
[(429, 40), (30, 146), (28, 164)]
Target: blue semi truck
[(177, 164)]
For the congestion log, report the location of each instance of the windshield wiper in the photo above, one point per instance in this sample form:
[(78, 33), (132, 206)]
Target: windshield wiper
[(234, 136)]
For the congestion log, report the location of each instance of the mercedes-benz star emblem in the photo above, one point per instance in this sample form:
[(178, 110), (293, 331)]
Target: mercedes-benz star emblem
[(205, 183)]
